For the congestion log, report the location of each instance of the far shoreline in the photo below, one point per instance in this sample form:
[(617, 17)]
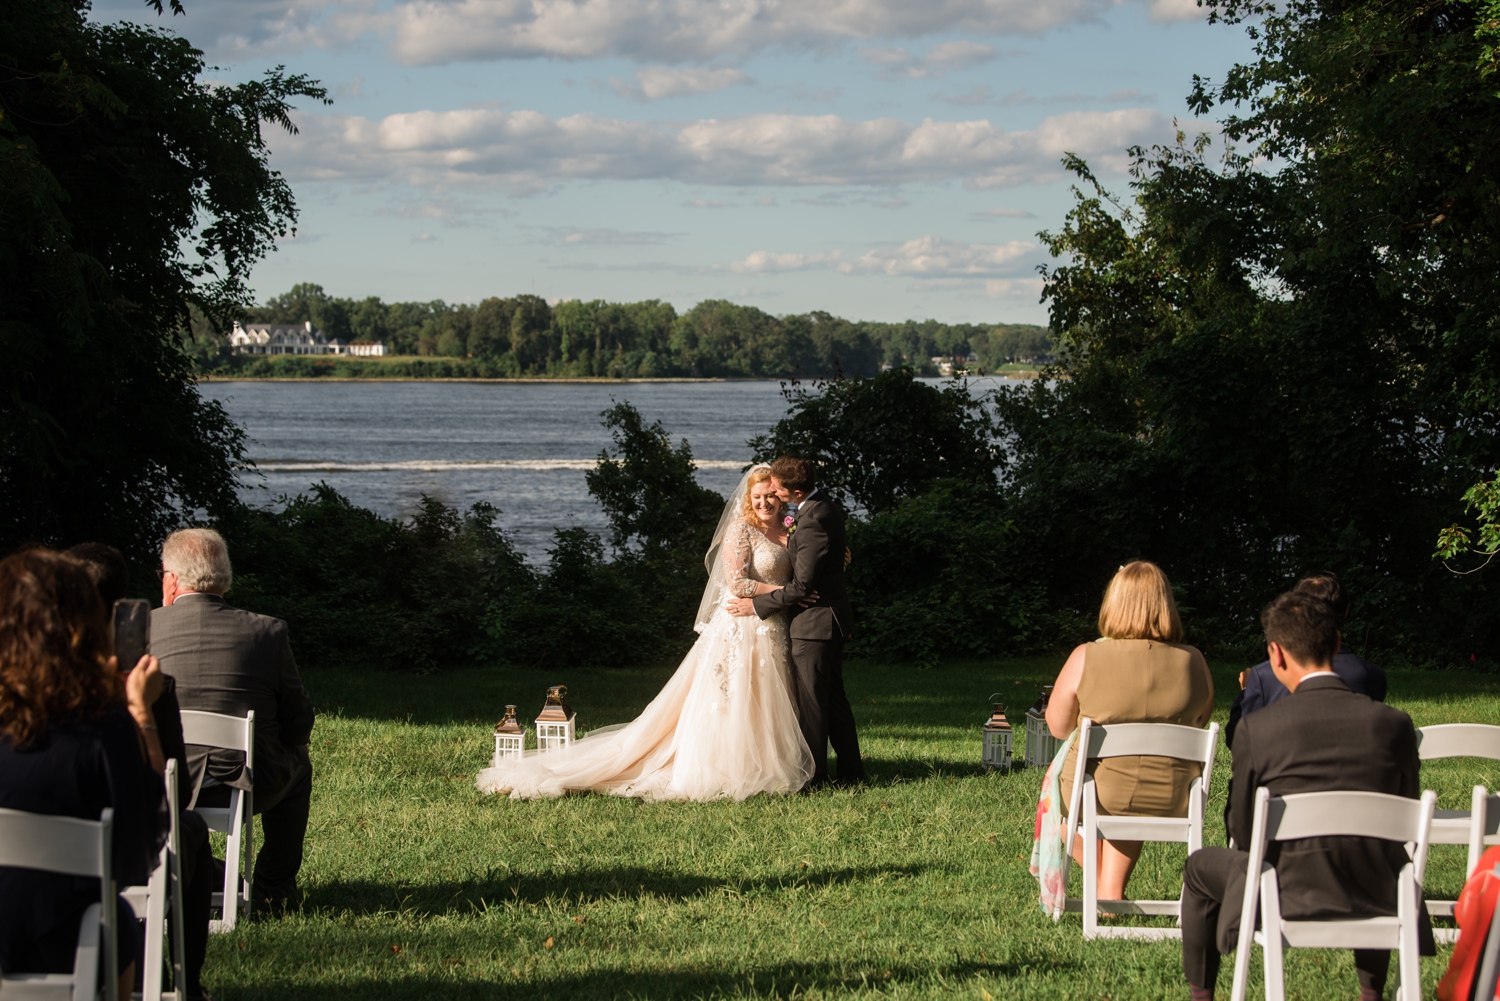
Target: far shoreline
[(1021, 376)]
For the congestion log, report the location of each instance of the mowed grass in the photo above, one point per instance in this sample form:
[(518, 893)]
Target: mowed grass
[(915, 886)]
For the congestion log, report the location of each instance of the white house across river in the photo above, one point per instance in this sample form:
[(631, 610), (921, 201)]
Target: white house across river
[(295, 339)]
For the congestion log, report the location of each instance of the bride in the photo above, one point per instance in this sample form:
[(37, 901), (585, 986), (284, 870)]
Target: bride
[(725, 726)]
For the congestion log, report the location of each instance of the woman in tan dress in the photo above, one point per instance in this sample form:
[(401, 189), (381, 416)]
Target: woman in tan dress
[(1137, 672)]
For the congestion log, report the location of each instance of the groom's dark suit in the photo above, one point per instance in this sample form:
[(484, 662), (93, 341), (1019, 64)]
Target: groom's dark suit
[(818, 633)]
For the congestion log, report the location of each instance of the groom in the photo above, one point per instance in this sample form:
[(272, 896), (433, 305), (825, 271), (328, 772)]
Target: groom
[(818, 631)]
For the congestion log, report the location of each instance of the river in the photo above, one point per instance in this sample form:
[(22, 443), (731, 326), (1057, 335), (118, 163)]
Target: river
[(521, 446)]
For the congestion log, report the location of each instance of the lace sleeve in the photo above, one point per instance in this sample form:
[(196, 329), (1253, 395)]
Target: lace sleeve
[(738, 552)]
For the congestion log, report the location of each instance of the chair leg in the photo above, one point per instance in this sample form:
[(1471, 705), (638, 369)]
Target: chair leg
[(1090, 864), (1408, 954), (1270, 909), (233, 853), (249, 869), (151, 956)]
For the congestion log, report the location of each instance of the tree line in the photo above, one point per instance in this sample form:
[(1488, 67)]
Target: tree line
[(523, 335)]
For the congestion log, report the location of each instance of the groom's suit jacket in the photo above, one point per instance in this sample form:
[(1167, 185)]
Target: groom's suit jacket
[(816, 546)]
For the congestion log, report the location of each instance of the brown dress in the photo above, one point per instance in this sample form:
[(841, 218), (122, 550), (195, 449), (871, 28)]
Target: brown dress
[(1140, 681)]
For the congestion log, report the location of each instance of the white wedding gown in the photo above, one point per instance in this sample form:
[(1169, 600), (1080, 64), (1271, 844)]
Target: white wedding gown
[(724, 727)]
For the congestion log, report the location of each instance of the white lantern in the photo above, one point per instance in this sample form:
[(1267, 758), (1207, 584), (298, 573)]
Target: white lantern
[(998, 737), (554, 725), (1041, 746), (510, 739)]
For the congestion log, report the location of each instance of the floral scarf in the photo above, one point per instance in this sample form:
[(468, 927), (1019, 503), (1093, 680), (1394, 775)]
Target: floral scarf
[(1049, 856)]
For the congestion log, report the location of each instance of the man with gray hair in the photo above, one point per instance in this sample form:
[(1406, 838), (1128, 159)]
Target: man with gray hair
[(227, 660)]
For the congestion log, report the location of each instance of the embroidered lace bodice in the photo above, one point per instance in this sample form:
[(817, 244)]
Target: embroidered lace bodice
[(749, 557)]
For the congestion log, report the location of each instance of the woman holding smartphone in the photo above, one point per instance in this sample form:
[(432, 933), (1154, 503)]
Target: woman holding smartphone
[(76, 736)]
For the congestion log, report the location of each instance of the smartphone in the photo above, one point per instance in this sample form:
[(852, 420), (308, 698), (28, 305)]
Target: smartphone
[(132, 631)]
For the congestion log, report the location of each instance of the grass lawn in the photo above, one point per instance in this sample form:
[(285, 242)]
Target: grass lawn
[(916, 886)]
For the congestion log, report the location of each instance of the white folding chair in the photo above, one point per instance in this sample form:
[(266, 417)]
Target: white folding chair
[(71, 847), (1453, 827), (1117, 740), (237, 820), (1322, 815), (160, 901)]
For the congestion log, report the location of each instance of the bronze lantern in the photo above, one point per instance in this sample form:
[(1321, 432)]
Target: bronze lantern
[(554, 725), (510, 738), (998, 738), (1041, 746)]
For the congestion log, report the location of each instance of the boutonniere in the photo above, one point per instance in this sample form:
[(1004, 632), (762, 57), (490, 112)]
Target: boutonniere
[(790, 523)]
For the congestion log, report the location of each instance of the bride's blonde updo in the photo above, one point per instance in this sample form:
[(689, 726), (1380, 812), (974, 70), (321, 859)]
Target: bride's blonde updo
[(757, 476)]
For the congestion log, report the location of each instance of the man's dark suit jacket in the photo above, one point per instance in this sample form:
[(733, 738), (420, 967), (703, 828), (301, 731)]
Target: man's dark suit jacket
[(1261, 687), (227, 660), (1325, 737), (816, 545)]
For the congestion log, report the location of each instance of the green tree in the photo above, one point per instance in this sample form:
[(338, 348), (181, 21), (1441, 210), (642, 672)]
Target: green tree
[(648, 490), (1284, 358), (131, 190), (877, 441)]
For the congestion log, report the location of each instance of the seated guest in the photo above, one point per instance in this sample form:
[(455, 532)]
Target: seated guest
[(106, 565), (227, 660), (1137, 672), (1322, 736), (75, 737), (1259, 687)]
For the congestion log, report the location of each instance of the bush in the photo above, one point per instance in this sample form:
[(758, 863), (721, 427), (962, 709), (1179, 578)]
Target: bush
[(945, 574)]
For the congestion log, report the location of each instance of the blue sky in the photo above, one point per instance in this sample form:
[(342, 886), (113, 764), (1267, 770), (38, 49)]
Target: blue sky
[(879, 159)]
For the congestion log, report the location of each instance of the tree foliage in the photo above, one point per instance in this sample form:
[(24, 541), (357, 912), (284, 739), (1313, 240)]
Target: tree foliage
[(1285, 359), (877, 441), (130, 192)]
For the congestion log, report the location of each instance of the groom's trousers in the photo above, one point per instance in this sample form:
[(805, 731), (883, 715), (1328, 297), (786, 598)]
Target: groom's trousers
[(823, 708)]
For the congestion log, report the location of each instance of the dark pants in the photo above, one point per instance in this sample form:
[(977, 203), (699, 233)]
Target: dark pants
[(823, 708), (1213, 894), (283, 825), (200, 878)]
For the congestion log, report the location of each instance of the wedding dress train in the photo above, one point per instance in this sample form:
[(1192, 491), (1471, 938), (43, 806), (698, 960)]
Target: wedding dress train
[(725, 725)]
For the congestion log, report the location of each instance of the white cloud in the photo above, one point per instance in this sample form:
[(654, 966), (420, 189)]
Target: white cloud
[(1005, 213), (708, 203), (572, 236), (428, 32), (976, 95), (1176, 10), (934, 257), (526, 152), (656, 82), (765, 263), (939, 61), (423, 237)]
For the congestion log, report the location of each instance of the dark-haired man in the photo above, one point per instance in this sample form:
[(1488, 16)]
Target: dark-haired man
[(1320, 737), (822, 619)]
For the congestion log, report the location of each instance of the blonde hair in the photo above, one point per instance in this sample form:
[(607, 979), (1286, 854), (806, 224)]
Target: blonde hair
[(757, 477), (199, 558), (1138, 605)]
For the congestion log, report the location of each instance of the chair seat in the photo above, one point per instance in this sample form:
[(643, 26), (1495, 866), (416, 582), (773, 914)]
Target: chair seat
[(1355, 933), (217, 817), (1451, 827)]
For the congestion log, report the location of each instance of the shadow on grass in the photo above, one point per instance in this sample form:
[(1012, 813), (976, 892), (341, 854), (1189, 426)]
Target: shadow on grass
[(785, 980), (429, 899)]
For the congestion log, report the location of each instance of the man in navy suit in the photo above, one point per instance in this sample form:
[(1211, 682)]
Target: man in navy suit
[(1260, 686)]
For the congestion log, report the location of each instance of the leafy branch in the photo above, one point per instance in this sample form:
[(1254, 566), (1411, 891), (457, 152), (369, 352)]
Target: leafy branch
[(1483, 499)]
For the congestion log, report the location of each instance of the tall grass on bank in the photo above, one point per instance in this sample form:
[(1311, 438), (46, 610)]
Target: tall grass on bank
[(915, 886)]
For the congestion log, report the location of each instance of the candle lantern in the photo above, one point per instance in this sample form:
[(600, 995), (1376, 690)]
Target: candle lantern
[(1041, 746), (998, 737), (510, 739), (554, 725)]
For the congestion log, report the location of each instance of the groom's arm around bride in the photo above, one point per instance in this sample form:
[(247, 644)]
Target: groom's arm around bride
[(818, 630)]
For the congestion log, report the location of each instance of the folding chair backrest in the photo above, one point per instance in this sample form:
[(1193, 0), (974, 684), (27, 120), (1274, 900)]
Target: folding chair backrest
[(64, 845), (71, 847), (1458, 740), (1167, 740), (235, 733), (1347, 814)]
